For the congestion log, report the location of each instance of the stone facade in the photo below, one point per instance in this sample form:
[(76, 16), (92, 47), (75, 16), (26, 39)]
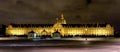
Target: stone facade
[(62, 27)]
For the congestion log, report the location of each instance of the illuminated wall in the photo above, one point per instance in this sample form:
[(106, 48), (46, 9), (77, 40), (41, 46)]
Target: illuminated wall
[(89, 31), (24, 31), (108, 30)]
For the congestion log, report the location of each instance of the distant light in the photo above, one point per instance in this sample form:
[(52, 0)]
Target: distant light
[(86, 29)]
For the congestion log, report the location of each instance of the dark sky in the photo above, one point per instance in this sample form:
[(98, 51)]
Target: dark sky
[(46, 11)]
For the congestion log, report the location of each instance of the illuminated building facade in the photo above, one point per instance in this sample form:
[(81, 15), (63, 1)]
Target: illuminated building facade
[(62, 27)]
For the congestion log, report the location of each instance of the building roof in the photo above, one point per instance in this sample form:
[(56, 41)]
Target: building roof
[(64, 25), (57, 32), (32, 25), (84, 25), (31, 32)]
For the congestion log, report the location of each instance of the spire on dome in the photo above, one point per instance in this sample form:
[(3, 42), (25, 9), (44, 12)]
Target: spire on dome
[(61, 20), (62, 16)]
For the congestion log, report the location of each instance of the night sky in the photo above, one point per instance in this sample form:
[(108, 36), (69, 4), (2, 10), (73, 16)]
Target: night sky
[(46, 11)]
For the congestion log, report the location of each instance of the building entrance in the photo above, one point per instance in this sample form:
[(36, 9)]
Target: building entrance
[(56, 35)]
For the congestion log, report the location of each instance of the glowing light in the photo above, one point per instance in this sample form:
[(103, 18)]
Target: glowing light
[(67, 30), (17, 32)]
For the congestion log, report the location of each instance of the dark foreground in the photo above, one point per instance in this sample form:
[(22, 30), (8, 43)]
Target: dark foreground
[(107, 48), (60, 46)]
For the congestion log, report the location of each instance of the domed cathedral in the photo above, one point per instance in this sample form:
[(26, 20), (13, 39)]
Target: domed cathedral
[(62, 27), (58, 25), (62, 20)]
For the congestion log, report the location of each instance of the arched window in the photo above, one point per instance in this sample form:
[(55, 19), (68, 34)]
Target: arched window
[(44, 32), (32, 34)]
